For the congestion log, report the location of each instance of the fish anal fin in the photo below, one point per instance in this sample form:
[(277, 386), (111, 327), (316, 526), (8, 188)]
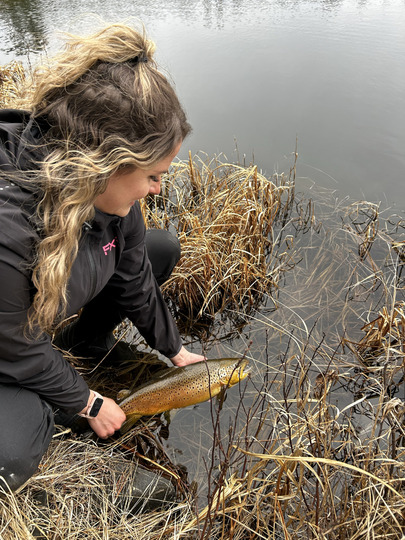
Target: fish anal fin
[(169, 415)]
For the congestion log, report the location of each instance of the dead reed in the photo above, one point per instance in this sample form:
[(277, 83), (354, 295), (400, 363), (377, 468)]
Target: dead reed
[(76, 495), (225, 217), (12, 80), (301, 463)]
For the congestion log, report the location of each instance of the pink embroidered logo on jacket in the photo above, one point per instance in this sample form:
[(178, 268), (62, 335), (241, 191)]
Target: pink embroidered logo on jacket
[(108, 247)]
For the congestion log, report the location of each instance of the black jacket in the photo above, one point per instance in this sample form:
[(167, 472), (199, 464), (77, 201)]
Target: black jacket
[(111, 254)]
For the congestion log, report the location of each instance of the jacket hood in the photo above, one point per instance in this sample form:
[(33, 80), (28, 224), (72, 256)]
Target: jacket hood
[(20, 140), (20, 150)]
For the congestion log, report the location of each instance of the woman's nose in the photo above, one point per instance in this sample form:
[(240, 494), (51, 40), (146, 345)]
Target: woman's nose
[(154, 188)]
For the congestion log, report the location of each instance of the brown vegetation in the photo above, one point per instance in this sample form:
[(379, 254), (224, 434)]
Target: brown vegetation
[(224, 216), (12, 79)]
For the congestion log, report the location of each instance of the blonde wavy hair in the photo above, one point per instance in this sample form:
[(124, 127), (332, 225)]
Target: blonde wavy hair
[(108, 109)]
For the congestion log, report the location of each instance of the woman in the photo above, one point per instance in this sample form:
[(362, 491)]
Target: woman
[(104, 127)]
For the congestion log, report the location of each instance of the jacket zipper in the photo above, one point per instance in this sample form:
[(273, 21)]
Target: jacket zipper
[(92, 263)]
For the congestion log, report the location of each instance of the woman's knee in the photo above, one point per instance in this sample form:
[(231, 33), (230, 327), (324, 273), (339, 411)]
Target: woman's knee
[(26, 425), (164, 252)]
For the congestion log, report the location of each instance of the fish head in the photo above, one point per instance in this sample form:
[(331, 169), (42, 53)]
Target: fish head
[(236, 371)]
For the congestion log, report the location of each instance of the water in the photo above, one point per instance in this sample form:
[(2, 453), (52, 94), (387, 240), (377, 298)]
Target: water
[(328, 74)]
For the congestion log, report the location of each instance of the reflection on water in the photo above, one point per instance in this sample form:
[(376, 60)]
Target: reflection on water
[(23, 29), (328, 73)]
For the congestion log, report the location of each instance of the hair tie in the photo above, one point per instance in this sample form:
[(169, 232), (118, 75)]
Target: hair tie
[(137, 59)]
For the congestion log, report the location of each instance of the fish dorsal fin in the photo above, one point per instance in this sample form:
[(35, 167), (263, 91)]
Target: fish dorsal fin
[(162, 373)]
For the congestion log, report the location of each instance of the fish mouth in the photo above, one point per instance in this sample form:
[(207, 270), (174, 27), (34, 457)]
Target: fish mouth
[(241, 370), (245, 368)]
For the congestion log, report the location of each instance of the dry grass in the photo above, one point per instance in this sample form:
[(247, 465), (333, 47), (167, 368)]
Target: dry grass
[(82, 491), (225, 217), (12, 80), (312, 468), (383, 335)]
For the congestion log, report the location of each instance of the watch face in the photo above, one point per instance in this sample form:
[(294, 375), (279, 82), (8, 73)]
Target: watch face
[(96, 407)]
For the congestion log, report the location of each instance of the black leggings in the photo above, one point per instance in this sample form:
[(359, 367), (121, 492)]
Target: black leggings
[(26, 421)]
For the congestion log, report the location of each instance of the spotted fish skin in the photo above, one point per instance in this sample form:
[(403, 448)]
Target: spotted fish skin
[(175, 388)]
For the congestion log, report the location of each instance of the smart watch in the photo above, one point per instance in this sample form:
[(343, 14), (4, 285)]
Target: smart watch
[(94, 406)]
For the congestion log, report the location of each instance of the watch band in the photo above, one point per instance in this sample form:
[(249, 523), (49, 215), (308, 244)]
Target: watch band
[(94, 406)]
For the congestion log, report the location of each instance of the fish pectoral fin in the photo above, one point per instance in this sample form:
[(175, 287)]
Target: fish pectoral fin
[(129, 422), (122, 394), (222, 395)]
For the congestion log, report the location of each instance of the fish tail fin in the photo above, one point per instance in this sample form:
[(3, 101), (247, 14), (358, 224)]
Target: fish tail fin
[(129, 422)]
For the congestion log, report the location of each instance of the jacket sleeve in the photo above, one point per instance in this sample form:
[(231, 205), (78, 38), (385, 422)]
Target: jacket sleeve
[(135, 288), (32, 363)]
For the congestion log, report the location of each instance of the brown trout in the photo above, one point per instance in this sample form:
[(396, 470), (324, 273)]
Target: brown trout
[(175, 388)]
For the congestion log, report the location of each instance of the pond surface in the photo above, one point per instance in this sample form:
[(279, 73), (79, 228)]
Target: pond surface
[(327, 73)]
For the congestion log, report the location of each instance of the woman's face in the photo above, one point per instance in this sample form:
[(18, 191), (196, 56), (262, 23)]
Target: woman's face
[(123, 189)]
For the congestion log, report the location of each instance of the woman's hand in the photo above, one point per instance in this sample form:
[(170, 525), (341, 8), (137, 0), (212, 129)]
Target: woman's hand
[(184, 357), (109, 419)]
